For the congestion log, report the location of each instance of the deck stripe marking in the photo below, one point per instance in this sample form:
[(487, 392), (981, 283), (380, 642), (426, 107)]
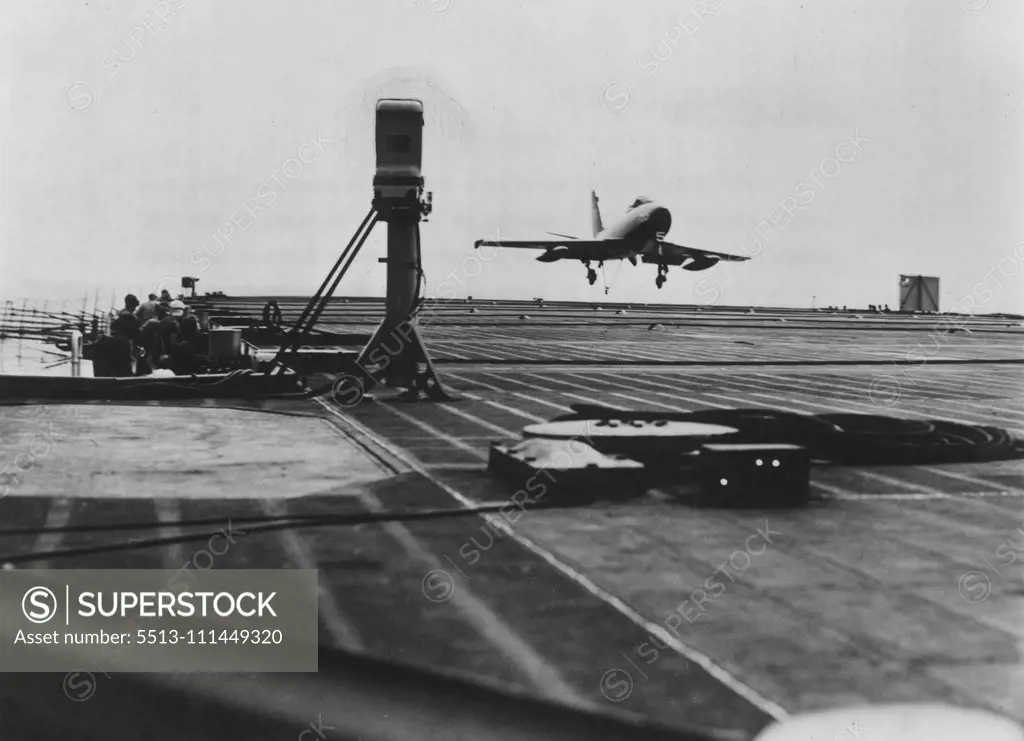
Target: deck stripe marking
[(487, 623), (971, 479), (667, 394), (168, 512), (503, 407), (57, 517), (749, 694), (477, 421), (520, 394), (342, 631)]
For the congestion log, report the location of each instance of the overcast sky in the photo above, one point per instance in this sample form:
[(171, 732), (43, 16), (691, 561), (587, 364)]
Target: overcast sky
[(134, 131)]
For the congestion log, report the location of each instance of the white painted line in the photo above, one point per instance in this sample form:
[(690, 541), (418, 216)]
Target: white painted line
[(477, 421), (453, 467), (57, 518), (851, 406), (519, 394), (837, 493), (545, 677), (168, 513), (478, 351), (428, 428), (437, 347), (901, 483), (891, 481), (1016, 491), (864, 407), (342, 631), (489, 625), (705, 662), (668, 394), (535, 387), (498, 405)]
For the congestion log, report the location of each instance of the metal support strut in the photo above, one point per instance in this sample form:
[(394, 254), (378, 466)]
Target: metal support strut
[(315, 308)]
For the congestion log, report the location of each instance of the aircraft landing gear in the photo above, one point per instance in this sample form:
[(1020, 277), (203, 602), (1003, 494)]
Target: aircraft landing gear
[(662, 276), (591, 274)]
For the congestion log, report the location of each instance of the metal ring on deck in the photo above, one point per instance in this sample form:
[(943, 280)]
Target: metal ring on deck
[(844, 439)]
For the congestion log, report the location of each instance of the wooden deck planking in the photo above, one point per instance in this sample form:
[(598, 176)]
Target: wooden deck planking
[(859, 599)]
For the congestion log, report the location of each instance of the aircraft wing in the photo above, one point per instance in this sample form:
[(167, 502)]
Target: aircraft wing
[(544, 244), (677, 254), (584, 250), (667, 253)]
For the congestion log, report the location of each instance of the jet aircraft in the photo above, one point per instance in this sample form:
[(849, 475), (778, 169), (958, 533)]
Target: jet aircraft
[(639, 234)]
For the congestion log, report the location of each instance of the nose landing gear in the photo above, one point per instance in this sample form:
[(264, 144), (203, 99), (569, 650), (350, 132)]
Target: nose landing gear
[(591, 273), (662, 276)]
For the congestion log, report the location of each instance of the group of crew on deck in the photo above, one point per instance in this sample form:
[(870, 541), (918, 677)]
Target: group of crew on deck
[(160, 337)]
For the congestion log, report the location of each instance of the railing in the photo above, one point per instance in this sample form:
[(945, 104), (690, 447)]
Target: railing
[(37, 335)]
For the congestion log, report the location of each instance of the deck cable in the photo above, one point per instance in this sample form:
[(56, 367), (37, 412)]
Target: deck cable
[(263, 524)]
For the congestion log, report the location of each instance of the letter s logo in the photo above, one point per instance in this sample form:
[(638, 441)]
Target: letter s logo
[(707, 291)]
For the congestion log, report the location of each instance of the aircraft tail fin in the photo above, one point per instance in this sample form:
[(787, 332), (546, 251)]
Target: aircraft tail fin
[(595, 214)]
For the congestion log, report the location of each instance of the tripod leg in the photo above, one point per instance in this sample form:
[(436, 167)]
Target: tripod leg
[(400, 349)]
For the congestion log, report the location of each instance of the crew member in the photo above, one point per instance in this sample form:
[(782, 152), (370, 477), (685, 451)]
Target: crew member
[(152, 340), (128, 323), (148, 310), (168, 331), (178, 309), (112, 356), (185, 351)]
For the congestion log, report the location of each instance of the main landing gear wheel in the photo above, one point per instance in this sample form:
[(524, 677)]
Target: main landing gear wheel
[(591, 273), (662, 276)]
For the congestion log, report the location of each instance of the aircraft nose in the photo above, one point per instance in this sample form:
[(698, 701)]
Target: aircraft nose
[(661, 220)]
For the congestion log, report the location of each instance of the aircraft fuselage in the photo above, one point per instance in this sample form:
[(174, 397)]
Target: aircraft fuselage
[(640, 224), (639, 229)]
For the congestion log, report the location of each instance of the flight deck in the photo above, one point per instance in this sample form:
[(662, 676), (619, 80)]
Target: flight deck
[(896, 583)]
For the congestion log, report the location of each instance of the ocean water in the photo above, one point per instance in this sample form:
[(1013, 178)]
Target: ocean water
[(19, 356), (33, 358)]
